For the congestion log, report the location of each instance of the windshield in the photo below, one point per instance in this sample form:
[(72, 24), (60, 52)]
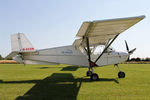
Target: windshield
[(99, 50)]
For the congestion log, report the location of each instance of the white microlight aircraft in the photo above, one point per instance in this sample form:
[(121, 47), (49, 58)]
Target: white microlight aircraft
[(91, 36)]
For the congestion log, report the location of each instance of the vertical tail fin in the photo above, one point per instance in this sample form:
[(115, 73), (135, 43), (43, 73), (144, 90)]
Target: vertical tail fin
[(19, 42)]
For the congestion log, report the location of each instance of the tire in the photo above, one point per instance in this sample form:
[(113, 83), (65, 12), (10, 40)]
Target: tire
[(88, 73), (94, 77), (121, 75)]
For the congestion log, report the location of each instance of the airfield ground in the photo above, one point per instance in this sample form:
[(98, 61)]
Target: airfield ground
[(65, 82)]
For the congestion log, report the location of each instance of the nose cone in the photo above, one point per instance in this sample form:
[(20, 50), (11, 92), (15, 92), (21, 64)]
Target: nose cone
[(123, 53)]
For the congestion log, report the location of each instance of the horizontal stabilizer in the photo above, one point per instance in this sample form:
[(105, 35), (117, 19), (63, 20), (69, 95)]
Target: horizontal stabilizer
[(12, 54)]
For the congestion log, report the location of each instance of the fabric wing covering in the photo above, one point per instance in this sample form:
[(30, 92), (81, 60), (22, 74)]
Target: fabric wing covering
[(101, 31)]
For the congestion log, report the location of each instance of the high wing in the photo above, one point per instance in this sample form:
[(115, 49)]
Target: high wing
[(100, 32)]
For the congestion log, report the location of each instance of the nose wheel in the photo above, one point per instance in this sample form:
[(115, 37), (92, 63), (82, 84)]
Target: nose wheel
[(121, 74)]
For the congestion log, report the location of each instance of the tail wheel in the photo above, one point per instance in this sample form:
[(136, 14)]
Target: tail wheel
[(121, 74), (94, 77)]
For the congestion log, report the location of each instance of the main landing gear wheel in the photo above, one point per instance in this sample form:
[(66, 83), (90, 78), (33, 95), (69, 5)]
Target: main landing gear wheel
[(88, 73), (94, 77), (121, 74)]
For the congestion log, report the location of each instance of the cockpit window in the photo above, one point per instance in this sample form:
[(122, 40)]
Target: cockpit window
[(109, 50)]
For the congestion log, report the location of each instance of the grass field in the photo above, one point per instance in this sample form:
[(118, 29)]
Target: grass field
[(64, 82)]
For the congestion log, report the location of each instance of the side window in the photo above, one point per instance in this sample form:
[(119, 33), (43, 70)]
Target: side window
[(109, 50)]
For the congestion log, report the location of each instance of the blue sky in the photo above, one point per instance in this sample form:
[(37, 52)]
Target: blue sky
[(52, 23)]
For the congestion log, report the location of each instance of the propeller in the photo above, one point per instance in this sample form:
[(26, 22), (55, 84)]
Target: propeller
[(129, 51)]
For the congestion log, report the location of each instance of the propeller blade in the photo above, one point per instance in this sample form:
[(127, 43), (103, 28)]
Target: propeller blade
[(127, 46), (131, 51)]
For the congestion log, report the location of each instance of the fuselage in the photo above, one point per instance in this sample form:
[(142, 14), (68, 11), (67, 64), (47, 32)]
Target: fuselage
[(70, 55)]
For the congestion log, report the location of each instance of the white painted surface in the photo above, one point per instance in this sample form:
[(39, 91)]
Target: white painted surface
[(99, 32), (60, 55), (19, 42), (69, 55)]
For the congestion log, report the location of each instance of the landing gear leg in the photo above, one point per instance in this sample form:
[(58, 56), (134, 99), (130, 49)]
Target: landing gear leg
[(90, 73), (121, 74)]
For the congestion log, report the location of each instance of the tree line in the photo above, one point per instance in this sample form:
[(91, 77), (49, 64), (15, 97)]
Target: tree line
[(1, 58), (140, 59)]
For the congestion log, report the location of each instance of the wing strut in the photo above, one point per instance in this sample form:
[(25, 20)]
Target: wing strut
[(91, 63), (106, 48)]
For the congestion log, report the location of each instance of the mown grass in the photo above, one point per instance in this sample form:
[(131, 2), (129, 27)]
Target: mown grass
[(65, 82)]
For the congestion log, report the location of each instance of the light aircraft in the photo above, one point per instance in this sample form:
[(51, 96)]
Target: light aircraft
[(84, 51)]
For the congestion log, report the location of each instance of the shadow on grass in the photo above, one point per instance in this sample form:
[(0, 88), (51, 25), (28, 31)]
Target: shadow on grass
[(43, 67), (109, 79), (70, 68), (47, 67), (78, 80), (58, 86), (65, 68), (23, 81)]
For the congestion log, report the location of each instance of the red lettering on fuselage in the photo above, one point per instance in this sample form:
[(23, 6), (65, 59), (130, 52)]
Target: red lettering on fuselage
[(27, 49)]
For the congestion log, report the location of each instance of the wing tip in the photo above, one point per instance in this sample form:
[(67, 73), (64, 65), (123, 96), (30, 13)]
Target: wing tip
[(142, 16)]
